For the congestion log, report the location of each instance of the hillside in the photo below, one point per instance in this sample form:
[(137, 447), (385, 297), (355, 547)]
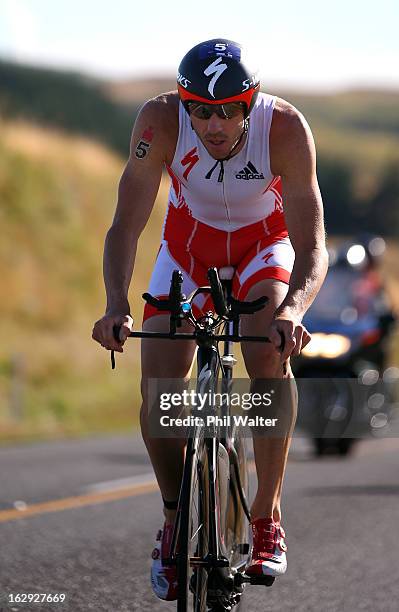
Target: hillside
[(69, 101), (57, 197)]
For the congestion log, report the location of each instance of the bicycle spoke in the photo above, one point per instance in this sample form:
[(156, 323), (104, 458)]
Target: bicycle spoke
[(195, 533)]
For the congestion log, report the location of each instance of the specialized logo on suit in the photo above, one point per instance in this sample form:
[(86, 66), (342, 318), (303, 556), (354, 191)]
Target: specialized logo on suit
[(189, 160)]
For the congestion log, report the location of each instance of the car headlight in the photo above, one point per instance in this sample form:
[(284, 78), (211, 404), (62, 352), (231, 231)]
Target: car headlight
[(327, 346)]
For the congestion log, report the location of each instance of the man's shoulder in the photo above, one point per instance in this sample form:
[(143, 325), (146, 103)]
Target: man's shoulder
[(164, 107), (286, 117), (162, 114), (290, 135)]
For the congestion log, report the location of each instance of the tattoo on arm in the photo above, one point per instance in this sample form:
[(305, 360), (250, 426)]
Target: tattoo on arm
[(144, 143)]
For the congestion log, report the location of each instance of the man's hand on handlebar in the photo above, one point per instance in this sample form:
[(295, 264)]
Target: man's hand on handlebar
[(112, 330), (296, 336), (103, 331)]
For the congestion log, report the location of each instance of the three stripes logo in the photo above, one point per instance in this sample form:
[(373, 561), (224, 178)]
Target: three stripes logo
[(249, 173)]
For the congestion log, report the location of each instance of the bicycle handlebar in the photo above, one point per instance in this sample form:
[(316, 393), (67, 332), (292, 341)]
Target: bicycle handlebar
[(217, 294), (237, 307), (173, 304), (176, 297)]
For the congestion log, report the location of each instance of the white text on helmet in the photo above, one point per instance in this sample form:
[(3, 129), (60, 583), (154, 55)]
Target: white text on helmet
[(183, 81), (249, 83)]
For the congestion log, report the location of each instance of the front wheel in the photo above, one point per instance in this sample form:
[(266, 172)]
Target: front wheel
[(239, 515), (193, 530)]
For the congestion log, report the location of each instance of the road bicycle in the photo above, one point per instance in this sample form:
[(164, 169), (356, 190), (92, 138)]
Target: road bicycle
[(210, 543)]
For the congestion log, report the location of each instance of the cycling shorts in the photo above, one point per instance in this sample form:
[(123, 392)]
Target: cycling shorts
[(253, 252)]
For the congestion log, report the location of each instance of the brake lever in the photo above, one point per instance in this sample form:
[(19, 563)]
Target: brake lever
[(115, 330), (281, 349), (282, 343)]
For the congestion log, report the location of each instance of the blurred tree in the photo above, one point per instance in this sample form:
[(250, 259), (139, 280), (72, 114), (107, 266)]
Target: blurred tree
[(66, 100), (384, 206), (335, 178)]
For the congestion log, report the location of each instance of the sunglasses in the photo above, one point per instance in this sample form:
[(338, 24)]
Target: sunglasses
[(224, 111)]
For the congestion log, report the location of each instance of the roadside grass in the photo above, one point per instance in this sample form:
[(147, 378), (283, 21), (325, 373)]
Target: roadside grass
[(57, 198)]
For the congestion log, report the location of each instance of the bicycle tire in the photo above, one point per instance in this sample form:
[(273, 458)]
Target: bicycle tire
[(241, 484), (236, 533), (193, 524)]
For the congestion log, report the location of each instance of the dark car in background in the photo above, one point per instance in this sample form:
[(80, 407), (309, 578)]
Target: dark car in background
[(341, 394)]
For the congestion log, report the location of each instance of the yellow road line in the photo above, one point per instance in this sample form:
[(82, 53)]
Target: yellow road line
[(79, 501)]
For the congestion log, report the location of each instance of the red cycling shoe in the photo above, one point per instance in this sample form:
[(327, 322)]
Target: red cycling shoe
[(163, 578), (268, 552)]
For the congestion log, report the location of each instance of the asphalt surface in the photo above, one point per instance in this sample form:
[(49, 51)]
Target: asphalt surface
[(341, 517)]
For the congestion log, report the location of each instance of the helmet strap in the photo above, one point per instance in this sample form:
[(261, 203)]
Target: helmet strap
[(220, 161), (244, 131)]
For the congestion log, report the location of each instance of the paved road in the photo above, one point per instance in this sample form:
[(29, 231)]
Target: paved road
[(87, 536)]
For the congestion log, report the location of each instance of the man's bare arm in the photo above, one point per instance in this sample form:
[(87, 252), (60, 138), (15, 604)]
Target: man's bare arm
[(137, 192), (303, 208)]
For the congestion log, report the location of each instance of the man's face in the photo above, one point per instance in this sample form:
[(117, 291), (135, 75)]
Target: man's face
[(218, 126)]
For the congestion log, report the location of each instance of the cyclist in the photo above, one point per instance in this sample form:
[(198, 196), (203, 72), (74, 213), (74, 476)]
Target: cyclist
[(243, 193)]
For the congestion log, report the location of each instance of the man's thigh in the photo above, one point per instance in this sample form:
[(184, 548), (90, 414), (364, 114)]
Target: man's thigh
[(166, 368), (194, 275), (166, 358)]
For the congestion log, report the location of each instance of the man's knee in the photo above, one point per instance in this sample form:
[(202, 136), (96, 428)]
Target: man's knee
[(263, 361), (279, 406)]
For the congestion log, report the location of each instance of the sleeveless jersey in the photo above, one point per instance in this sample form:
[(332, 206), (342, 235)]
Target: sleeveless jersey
[(244, 194), (223, 218)]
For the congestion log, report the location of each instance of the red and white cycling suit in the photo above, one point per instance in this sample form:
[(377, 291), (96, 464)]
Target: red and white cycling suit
[(223, 214)]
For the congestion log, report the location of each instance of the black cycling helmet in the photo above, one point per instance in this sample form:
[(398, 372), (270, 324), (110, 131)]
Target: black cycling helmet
[(215, 72)]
